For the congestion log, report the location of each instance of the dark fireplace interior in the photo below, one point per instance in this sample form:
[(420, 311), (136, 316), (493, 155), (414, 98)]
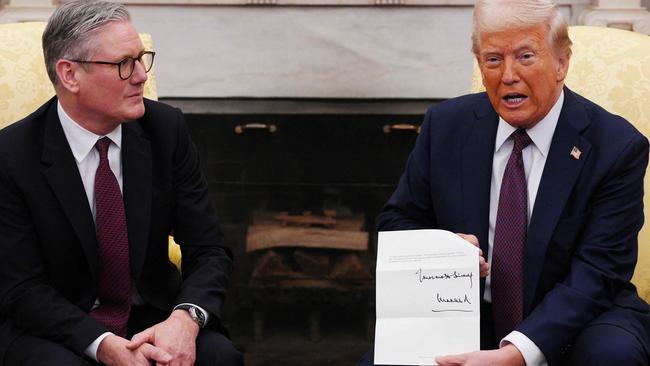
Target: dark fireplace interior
[(327, 161)]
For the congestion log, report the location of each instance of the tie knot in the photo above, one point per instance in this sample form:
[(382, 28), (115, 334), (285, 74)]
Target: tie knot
[(521, 140), (102, 146)]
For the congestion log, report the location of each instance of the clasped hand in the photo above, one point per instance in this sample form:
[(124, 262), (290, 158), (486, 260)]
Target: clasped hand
[(169, 343)]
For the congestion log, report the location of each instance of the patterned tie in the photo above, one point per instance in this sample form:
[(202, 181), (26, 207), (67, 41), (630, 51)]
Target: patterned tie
[(507, 273), (114, 290)]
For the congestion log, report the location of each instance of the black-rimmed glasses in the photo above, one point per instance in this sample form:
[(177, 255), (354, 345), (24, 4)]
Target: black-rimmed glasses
[(126, 66)]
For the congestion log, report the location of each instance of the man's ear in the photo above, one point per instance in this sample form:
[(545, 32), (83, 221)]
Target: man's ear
[(68, 75), (562, 66)]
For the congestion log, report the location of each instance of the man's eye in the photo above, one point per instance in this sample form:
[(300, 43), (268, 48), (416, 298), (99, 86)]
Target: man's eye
[(492, 61), (125, 62)]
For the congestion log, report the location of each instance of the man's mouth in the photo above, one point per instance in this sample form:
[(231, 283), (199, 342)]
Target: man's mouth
[(514, 99)]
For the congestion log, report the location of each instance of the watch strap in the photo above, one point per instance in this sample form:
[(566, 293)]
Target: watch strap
[(196, 313)]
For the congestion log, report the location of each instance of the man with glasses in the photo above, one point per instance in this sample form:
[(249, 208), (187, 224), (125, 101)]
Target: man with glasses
[(91, 185)]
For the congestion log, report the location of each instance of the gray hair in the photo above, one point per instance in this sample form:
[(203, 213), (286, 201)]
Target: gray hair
[(69, 31), (498, 15)]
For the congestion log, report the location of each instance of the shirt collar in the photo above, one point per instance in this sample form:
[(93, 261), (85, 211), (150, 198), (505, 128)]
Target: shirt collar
[(541, 134), (81, 140)]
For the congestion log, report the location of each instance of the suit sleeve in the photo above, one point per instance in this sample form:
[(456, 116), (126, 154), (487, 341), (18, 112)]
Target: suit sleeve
[(206, 262), (603, 260), (27, 299), (410, 207)]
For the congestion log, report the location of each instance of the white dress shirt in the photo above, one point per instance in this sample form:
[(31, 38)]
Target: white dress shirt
[(82, 143), (534, 156)]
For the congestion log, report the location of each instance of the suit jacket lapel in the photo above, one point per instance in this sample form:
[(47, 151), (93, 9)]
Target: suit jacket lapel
[(478, 149), (559, 176), (62, 174), (137, 183)]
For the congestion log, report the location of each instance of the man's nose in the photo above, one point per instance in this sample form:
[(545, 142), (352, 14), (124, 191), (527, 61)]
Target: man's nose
[(509, 74), (139, 73)]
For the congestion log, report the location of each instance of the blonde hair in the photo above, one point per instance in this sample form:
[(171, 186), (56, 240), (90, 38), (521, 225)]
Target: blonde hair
[(499, 15)]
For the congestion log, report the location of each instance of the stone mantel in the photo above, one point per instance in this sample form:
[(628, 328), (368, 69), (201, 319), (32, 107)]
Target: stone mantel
[(422, 3), (356, 49), (470, 3)]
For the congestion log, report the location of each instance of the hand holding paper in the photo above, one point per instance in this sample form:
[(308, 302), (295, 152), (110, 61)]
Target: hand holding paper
[(508, 355), (483, 265), (427, 297)]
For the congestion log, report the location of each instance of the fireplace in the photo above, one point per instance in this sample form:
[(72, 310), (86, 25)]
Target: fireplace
[(308, 162)]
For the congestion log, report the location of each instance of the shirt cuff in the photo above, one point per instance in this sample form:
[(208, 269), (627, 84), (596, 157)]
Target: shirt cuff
[(91, 350), (206, 315), (529, 350)]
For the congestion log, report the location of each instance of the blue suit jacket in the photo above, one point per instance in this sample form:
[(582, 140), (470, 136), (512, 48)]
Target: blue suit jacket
[(582, 237)]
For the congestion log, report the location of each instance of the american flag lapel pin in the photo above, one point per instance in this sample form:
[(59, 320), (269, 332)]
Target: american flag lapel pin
[(575, 152)]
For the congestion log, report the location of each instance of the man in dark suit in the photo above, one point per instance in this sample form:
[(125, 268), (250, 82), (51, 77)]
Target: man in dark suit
[(91, 185), (551, 187)]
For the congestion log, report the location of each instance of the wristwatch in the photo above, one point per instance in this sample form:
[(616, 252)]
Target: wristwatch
[(195, 313)]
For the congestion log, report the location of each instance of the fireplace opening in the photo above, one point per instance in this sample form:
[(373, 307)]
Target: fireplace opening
[(297, 194)]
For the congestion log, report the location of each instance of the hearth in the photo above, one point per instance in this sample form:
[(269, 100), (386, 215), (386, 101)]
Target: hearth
[(312, 259), (297, 185)]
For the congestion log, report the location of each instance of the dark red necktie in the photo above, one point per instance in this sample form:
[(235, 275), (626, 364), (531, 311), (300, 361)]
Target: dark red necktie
[(507, 275), (114, 291)]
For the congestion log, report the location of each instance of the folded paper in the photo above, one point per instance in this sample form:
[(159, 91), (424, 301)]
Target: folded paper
[(428, 301)]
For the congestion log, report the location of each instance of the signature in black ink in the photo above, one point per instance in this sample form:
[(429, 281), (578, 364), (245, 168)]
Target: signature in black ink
[(455, 300), (446, 276), (452, 300)]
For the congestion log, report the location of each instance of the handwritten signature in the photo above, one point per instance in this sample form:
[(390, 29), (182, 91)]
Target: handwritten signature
[(445, 276), (452, 300)]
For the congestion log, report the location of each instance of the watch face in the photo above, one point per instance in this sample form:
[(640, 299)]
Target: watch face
[(197, 316)]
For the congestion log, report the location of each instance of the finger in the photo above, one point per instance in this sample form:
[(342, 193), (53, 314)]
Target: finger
[(470, 238), (155, 354), (485, 268), (483, 265), (146, 336)]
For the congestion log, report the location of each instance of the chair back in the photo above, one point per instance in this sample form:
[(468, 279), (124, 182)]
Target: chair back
[(24, 84)]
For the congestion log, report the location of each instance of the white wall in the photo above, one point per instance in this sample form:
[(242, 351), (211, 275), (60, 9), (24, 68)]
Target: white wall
[(310, 51), (288, 51)]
